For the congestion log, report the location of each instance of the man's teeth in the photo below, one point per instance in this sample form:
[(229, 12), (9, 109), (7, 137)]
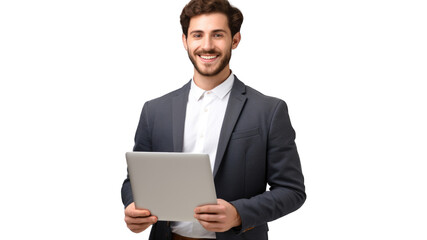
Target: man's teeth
[(208, 57)]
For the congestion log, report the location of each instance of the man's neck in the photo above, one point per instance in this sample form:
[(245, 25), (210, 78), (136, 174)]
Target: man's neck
[(210, 82)]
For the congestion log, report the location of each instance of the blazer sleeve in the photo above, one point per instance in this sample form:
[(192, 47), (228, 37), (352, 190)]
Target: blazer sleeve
[(142, 144), (284, 176)]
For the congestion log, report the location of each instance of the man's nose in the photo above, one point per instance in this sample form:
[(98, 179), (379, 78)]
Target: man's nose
[(207, 43)]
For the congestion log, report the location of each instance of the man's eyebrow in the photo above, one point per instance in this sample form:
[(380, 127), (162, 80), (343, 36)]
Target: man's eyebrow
[(215, 31), (196, 31), (219, 30)]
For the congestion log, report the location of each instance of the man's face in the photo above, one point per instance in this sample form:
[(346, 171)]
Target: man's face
[(209, 43)]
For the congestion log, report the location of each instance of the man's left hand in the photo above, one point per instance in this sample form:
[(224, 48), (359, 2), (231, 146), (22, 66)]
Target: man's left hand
[(218, 218)]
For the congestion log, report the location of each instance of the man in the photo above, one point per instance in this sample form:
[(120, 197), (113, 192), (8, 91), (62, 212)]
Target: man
[(247, 135)]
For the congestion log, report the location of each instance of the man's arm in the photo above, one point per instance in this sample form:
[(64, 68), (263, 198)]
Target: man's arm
[(143, 144), (284, 175), (138, 220)]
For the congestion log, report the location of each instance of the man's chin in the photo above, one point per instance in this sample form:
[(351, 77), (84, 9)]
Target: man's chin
[(208, 72)]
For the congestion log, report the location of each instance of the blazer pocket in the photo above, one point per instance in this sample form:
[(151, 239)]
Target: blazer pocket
[(245, 133)]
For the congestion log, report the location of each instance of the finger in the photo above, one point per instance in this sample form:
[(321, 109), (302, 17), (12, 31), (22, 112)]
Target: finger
[(131, 211), (212, 209), (205, 208), (139, 220), (210, 217), (213, 226), (138, 213)]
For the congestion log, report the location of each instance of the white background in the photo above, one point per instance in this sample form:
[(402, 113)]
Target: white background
[(75, 74)]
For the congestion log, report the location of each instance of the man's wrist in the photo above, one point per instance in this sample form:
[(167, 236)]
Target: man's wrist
[(237, 221)]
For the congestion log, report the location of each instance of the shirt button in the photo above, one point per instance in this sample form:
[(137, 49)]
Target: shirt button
[(206, 109)]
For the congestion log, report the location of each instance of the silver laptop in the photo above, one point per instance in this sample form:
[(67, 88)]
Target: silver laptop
[(171, 185)]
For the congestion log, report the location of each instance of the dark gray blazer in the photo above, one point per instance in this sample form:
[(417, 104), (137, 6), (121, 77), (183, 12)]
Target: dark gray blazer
[(256, 147)]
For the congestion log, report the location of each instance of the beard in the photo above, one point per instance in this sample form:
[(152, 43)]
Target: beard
[(210, 72)]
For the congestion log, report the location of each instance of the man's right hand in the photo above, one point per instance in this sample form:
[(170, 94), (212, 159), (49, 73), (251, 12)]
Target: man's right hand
[(138, 220)]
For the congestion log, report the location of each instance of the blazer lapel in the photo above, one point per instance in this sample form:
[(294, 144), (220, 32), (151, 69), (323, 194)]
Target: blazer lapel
[(235, 105), (179, 107)]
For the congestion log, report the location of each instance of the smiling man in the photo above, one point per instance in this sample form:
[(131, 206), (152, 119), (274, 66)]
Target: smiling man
[(209, 41), (248, 136)]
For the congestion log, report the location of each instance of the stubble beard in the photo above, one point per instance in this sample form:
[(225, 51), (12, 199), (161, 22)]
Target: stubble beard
[(224, 62)]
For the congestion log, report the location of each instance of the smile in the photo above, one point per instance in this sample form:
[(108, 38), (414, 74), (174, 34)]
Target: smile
[(206, 58)]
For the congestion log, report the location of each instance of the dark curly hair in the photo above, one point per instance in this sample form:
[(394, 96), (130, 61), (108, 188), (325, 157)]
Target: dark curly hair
[(198, 7)]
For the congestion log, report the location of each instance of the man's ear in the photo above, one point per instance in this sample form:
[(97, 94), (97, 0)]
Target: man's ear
[(184, 41), (236, 40)]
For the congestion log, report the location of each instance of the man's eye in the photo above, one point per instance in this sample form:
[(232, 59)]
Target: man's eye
[(197, 35), (218, 35)]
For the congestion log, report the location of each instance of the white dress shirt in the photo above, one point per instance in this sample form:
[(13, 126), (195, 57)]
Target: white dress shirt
[(203, 122)]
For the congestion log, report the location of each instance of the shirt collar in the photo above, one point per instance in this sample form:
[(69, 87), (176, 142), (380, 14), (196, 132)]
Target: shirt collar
[(220, 91)]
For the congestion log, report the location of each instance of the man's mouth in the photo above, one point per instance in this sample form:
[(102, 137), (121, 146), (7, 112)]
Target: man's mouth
[(208, 58)]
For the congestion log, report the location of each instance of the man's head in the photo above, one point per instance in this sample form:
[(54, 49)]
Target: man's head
[(211, 29)]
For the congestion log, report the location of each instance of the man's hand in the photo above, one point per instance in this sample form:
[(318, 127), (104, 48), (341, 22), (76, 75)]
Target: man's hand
[(218, 218), (138, 220)]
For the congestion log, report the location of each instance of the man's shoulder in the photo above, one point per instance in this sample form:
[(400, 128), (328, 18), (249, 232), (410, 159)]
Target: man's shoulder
[(251, 92), (262, 103), (256, 96)]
